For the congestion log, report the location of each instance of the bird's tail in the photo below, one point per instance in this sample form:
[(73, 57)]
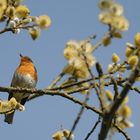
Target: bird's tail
[(9, 117)]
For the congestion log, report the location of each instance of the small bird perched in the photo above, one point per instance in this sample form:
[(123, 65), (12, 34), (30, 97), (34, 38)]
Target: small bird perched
[(25, 76)]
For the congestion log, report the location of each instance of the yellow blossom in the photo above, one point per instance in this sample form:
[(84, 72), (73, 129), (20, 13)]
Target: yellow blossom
[(10, 12), (109, 95), (120, 23), (137, 39), (22, 11), (20, 107), (105, 4), (116, 9), (67, 133), (3, 6), (106, 41), (90, 60), (82, 73), (112, 67), (58, 135), (44, 21), (69, 69), (12, 103), (71, 50), (122, 69), (105, 17), (125, 111), (125, 123), (128, 124), (133, 60), (115, 58), (34, 32), (128, 51), (85, 46)]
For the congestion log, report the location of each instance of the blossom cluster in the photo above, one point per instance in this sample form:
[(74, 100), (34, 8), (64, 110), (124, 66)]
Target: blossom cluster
[(132, 57), (79, 57), (112, 14), (12, 104), (60, 135), (17, 17)]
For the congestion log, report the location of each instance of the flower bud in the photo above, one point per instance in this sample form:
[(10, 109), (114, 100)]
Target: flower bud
[(34, 32), (44, 21), (109, 95), (137, 39), (10, 12), (125, 111), (133, 60), (115, 58)]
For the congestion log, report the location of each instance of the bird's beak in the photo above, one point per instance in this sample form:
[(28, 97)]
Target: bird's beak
[(20, 55)]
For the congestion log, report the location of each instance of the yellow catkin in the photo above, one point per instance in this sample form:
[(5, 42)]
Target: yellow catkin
[(125, 111), (22, 11), (137, 39), (115, 58), (109, 95), (58, 135), (34, 32), (128, 51), (12, 103), (44, 21), (10, 12), (133, 60)]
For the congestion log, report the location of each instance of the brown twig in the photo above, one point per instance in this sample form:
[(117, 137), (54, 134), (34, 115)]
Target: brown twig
[(115, 88), (79, 115), (93, 129), (58, 78), (122, 132), (48, 92), (101, 92)]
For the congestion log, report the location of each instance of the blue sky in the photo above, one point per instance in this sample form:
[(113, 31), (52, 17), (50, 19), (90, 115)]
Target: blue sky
[(74, 19)]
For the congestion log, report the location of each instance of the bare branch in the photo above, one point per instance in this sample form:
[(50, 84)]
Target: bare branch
[(115, 88), (48, 92), (122, 132), (79, 115), (93, 129), (101, 92), (58, 78)]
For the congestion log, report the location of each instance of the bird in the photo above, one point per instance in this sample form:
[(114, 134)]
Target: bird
[(25, 76)]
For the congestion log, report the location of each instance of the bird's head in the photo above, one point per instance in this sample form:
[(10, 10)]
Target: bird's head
[(25, 59)]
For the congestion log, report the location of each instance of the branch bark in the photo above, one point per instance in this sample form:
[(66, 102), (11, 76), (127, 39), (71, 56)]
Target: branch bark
[(108, 116)]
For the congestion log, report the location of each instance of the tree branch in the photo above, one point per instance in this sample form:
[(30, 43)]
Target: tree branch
[(48, 92), (122, 132), (107, 119)]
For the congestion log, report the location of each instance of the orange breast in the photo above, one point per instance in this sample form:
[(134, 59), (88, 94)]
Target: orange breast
[(27, 68)]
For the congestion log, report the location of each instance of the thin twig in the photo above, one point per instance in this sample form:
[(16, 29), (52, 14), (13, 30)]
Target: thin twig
[(93, 129), (101, 92), (8, 111), (58, 78), (132, 88), (115, 88), (122, 132), (79, 115), (14, 28)]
